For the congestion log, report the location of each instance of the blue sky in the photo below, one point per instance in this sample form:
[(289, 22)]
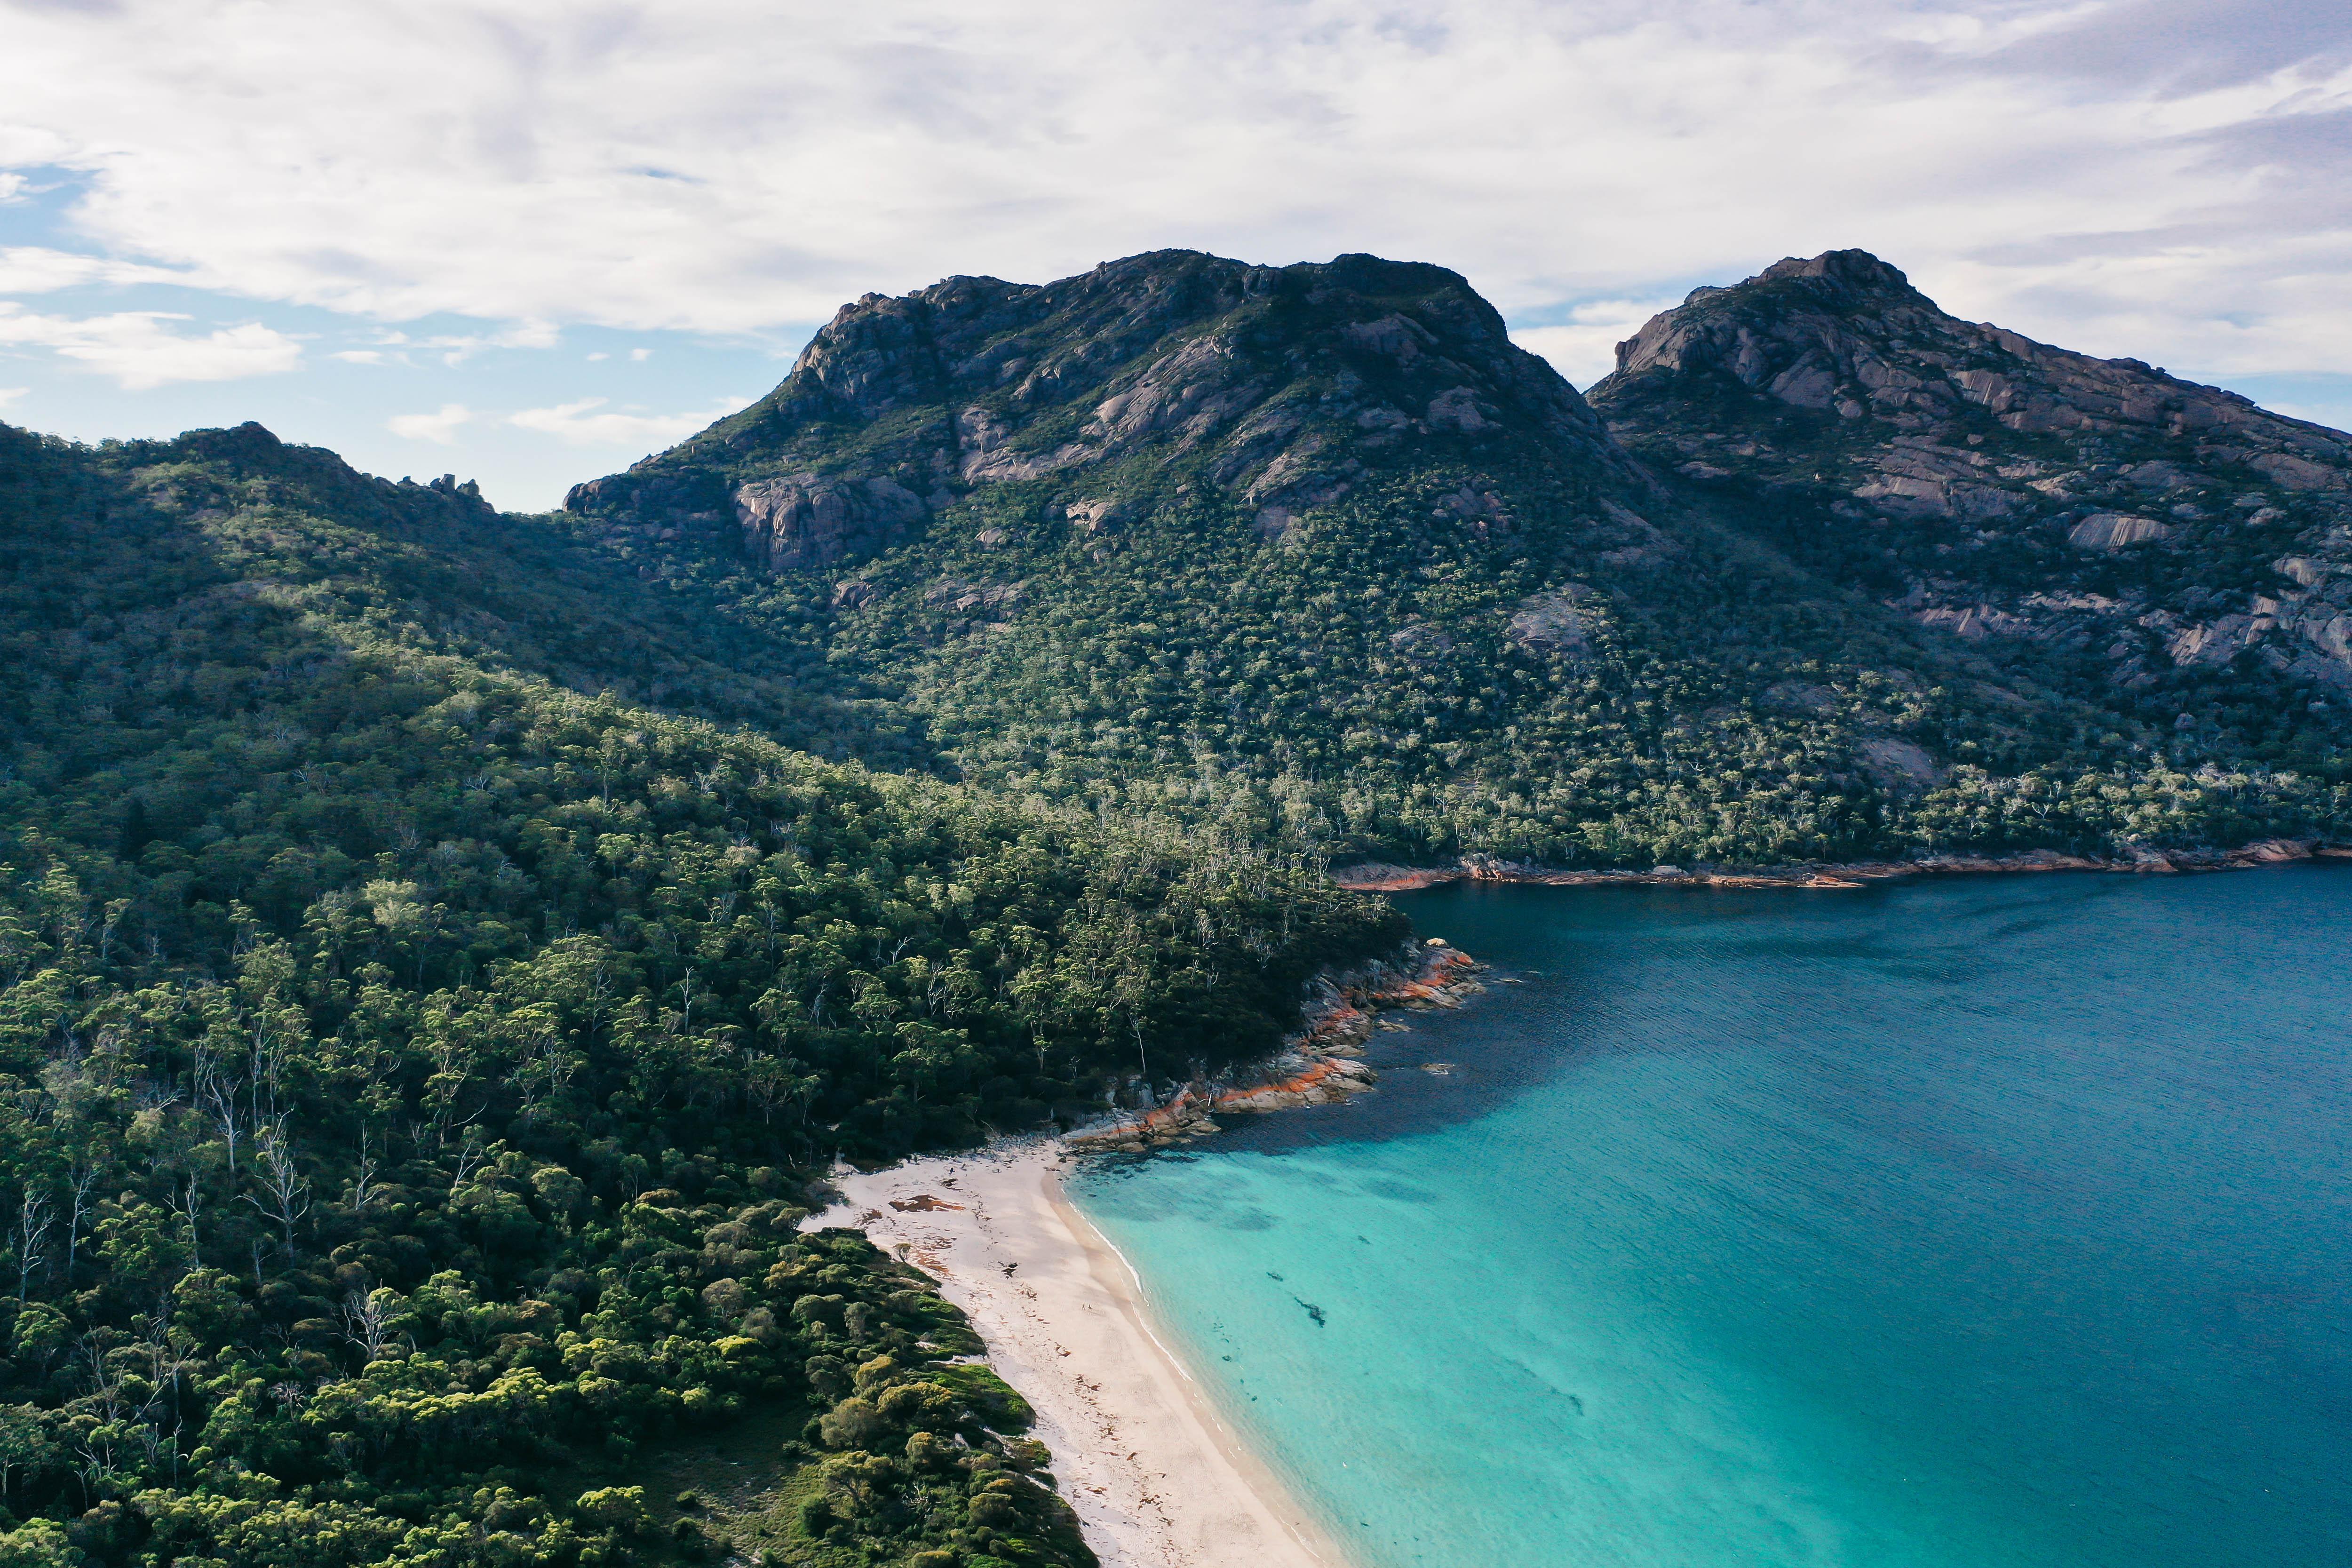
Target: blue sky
[(530, 242)]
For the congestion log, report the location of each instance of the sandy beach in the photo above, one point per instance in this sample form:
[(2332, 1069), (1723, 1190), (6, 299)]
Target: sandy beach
[(1158, 1478)]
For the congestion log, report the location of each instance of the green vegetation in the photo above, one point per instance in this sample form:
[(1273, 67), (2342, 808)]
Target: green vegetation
[(1392, 593), (1354, 689), (439, 949), (414, 1065)]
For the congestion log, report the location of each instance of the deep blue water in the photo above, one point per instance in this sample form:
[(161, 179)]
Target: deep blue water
[(1988, 1221)]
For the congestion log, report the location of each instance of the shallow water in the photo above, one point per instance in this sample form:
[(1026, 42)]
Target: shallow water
[(1987, 1222)]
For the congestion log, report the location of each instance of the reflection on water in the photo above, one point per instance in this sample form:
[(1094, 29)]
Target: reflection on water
[(1994, 1221)]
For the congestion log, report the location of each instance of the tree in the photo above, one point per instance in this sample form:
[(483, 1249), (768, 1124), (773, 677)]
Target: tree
[(31, 1231), (285, 1191)]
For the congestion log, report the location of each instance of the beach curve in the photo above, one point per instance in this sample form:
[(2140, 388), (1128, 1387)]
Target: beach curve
[(1158, 1478)]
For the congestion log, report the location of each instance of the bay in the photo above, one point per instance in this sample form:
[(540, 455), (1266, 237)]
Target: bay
[(1997, 1221)]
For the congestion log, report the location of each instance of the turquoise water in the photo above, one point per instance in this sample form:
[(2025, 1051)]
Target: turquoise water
[(2005, 1221)]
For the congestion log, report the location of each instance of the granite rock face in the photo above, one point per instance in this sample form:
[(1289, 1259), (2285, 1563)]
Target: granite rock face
[(797, 521), (1281, 386), (1994, 487)]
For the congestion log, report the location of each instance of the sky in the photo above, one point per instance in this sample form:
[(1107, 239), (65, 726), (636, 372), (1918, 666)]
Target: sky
[(530, 241)]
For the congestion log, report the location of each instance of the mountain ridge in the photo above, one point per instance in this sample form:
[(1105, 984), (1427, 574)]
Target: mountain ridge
[(2045, 454), (1168, 356), (1187, 420)]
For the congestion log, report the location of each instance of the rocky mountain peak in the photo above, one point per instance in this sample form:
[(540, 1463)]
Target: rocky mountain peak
[(1281, 386), (1847, 272), (1833, 331), (1834, 276), (1995, 486), (1844, 332)]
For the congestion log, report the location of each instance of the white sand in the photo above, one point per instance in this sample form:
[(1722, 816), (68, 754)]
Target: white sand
[(1158, 1478)]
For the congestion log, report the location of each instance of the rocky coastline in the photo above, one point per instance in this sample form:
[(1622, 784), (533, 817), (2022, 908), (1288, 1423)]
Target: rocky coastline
[(1379, 877), (1317, 1066), (1321, 1064)]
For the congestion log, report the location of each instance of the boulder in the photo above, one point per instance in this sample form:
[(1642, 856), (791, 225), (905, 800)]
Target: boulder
[(1897, 764), (1556, 622), (2115, 531), (794, 521)]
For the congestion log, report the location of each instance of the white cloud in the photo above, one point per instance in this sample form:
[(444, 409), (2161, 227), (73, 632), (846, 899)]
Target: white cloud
[(2159, 177), (31, 269), (10, 395), (141, 352), (639, 356), (582, 425), (12, 187), (453, 350), (1584, 347), (457, 349), (441, 426)]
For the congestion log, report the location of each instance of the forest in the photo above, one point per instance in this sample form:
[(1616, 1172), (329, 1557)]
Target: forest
[(1563, 686), (415, 1066)]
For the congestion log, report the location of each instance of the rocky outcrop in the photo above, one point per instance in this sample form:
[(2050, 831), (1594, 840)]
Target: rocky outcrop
[(1831, 384), (1377, 876), (1558, 621), (1280, 386), (795, 522), (1845, 333), (2114, 530), (979, 601), (1898, 766), (1317, 1066)]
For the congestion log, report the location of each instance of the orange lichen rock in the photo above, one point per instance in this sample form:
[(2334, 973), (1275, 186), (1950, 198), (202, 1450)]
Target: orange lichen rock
[(1315, 1066)]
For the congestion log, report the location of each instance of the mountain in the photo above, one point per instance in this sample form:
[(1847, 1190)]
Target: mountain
[(1284, 388), (1315, 552), (2005, 490), (417, 1043)]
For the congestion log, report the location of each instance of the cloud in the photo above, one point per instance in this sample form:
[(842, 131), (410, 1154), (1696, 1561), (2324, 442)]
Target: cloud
[(30, 270), (580, 425), (455, 349), (441, 426), (142, 352), (11, 395), (2146, 177), (1584, 347), (12, 187)]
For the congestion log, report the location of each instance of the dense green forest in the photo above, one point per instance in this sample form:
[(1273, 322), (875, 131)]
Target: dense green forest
[(415, 1062), (1580, 688)]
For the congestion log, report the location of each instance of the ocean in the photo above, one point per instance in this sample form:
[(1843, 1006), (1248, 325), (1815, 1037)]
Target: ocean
[(2000, 1221)]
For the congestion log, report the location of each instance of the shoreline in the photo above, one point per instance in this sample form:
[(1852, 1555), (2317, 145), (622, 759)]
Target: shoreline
[(1380, 877), (1317, 1066), (1156, 1475), (1158, 1478)]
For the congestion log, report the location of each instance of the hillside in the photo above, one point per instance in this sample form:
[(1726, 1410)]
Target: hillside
[(416, 1052), (2189, 554), (1315, 552)]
